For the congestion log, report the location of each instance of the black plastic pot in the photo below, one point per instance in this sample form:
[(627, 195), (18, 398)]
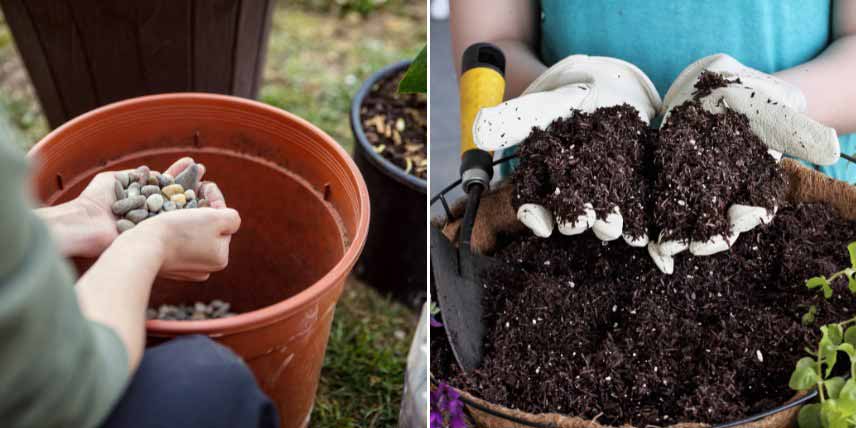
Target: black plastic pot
[(394, 259)]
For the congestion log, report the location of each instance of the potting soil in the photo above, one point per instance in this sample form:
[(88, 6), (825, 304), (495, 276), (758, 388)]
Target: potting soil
[(592, 329), (599, 158), (706, 162), (396, 125)]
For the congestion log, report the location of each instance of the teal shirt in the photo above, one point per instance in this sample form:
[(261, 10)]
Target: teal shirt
[(662, 37)]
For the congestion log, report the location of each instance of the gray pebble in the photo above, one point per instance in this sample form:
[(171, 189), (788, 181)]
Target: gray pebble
[(123, 206), (197, 311), (169, 206), (133, 177), (144, 173), (191, 204), (189, 194), (122, 225), (134, 189), (189, 178), (118, 190), (137, 215), (149, 190), (203, 203), (123, 178), (167, 179), (162, 179), (155, 202)]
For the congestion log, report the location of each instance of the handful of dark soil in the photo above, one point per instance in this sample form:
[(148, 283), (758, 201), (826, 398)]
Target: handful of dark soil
[(396, 125), (705, 163), (599, 158), (593, 329)]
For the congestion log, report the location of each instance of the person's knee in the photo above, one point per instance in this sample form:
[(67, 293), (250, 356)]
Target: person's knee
[(207, 369), (193, 381)]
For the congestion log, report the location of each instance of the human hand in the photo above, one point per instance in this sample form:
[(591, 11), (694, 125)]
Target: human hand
[(86, 225), (725, 98), (578, 83), (193, 242)]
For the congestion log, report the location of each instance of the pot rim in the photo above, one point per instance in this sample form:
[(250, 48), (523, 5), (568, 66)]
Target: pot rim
[(390, 169), (279, 310), (794, 402)]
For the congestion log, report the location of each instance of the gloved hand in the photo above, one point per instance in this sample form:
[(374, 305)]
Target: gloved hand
[(774, 109), (578, 82)]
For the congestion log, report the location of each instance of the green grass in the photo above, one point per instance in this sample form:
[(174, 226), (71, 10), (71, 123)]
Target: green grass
[(362, 379), (317, 61)]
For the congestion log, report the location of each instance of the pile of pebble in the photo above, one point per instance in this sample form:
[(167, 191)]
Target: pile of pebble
[(195, 312), (143, 193)]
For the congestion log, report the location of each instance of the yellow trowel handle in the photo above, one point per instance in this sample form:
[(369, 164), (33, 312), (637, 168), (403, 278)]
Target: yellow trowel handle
[(482, 85)]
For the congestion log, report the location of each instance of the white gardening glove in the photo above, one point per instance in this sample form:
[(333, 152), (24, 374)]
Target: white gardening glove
[(774, 108), (579, 82)]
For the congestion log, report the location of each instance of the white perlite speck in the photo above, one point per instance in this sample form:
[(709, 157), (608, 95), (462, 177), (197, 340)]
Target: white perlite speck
[(759, 355)]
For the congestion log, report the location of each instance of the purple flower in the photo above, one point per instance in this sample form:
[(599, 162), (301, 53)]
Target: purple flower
[(434, 310), (447, 410)]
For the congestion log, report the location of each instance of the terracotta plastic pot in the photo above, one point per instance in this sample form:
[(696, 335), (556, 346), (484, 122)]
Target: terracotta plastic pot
[(305, 212), (394, 260)]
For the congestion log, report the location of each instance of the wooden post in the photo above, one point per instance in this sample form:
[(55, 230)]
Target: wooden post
[(82, 54)]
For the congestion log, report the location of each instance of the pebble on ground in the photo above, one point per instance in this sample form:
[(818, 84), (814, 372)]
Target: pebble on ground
[(195, 312)]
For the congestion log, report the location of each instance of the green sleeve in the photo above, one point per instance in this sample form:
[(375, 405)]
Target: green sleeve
[(57, 369)]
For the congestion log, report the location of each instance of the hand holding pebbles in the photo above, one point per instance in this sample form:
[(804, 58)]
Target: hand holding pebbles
[(143, 193)]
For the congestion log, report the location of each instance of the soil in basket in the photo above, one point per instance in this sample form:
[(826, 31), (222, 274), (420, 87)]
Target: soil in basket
[(593, 329), (706, 162), (396, 125), (599, 158)]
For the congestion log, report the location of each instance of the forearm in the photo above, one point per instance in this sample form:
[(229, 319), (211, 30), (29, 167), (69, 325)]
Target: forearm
[(522, 66), (509, 24), (115, 290), (828, 85)]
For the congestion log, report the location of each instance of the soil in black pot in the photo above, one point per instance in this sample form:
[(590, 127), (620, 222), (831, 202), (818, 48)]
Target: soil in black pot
[(706, 162), (593, 329), (599, 158), (396, 125)]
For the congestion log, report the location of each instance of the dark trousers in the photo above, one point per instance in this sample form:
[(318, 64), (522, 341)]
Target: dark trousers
[(193, 382)]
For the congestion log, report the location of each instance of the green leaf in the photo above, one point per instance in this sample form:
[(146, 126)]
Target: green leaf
[(815, 282), (833, 386), (846, 406), (809, 416), (830, 339), (433, 308), (809, 317), (832, 415), (850, 335), (806, 362), (803, 378), (852, 250), (820, 281), (848, 391), (416, 78), (834, 332)]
